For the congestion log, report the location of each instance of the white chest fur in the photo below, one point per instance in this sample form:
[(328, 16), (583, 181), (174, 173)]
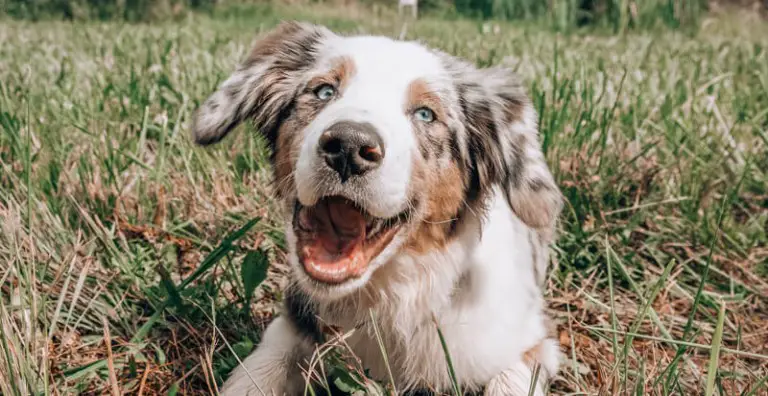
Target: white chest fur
[(482, 292)]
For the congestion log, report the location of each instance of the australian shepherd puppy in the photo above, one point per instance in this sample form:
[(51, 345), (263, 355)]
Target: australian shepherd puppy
[(413, 184)]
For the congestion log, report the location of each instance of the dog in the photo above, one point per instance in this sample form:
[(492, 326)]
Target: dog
[(413, 186)]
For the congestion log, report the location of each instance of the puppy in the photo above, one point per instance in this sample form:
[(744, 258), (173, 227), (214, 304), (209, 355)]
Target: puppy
[(413, 185)]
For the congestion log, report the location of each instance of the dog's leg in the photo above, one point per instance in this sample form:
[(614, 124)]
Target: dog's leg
[(518, 379), (515, 381), (273, 369)]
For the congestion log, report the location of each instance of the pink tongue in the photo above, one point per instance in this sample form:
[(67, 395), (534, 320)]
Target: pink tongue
[(346, 219), (336, 252)]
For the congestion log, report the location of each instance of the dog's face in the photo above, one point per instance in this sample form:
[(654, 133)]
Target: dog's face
[(379, 147)]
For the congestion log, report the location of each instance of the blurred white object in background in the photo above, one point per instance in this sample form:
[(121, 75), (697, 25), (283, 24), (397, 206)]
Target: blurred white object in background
[(408, 3)]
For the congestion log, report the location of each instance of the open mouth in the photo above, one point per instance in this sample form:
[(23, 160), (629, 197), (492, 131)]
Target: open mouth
[(337, 240)]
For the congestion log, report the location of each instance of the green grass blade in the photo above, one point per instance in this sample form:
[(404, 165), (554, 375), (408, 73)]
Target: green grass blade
[(384, 356), (714, 356), (219, 252), (451, 372), (534, 380)]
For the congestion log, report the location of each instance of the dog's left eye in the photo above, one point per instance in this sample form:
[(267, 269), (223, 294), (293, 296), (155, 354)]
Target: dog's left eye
[(325, 92), (424, 114)]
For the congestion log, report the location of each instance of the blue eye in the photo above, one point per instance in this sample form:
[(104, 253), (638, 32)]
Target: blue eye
[(424, 114), (325, 92)]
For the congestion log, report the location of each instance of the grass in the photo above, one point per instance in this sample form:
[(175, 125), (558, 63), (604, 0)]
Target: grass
[(659, 141)]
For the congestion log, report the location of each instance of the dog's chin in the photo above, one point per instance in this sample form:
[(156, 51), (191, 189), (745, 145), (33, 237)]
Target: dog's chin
[(338, 244)]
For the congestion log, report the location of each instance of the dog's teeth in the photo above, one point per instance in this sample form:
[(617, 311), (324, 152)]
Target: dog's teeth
[(376, 228)]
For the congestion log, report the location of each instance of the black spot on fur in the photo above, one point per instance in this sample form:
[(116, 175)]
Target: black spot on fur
[(513, 107), (453, 147), (424, 149), (514, 169), (474, 186), (301, 311), (484, 145), (468, 86), (435, 144), (537, 185), (233, 91), (271, 131)]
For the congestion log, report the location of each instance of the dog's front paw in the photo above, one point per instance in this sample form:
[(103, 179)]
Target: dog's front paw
[(272, 370)]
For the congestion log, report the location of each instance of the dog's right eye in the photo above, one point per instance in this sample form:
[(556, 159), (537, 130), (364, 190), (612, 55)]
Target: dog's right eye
[(325, 92)]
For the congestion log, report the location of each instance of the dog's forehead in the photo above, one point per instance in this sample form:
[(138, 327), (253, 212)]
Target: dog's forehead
[(385, 60)]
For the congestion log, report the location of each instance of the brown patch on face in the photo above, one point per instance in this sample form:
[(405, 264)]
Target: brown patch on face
[(434, 138), (306, 108), (438, 180), (285, 157), (341, 72), (444, 194), (420, 94)]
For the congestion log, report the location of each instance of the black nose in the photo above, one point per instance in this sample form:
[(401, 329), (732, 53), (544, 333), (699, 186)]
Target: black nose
[(351, 148)]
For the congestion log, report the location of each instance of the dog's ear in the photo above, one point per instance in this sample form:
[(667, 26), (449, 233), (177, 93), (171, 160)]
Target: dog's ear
[(263, 85), (503, 145)]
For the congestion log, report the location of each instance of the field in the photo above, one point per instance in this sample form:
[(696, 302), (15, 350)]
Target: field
[(132, 261)]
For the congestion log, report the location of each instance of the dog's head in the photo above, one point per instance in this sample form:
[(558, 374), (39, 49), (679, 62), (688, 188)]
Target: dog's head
[(380, 146)]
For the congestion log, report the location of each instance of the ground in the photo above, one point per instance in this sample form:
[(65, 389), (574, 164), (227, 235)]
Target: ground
[(110, 215)]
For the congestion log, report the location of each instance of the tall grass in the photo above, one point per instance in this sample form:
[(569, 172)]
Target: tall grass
[(617, 14), (130, 10)]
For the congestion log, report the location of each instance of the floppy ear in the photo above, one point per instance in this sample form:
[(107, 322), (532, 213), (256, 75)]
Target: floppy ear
[(503, 144), (263, 85)]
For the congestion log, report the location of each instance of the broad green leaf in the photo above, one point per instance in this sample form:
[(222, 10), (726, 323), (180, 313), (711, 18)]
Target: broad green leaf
[(253, 271)]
